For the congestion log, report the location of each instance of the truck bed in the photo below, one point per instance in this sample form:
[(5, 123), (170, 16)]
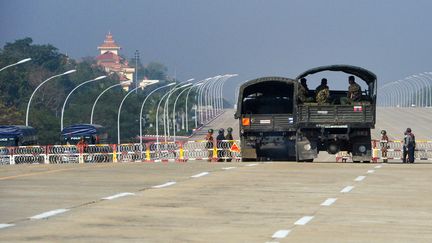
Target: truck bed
[(313, 114)]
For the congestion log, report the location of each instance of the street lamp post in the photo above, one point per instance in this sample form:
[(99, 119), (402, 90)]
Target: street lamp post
[(70, 93), (31, 96), (186, 106), (120, 106), (174, 109), (166, 107), (17, 63), (100, 95), (142, 107)]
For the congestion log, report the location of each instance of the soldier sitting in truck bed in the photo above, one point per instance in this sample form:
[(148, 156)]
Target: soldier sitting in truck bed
[(354, 92)]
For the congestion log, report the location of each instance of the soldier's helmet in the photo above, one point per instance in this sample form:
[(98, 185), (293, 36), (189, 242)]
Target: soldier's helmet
[(210, 130), (383, 132), (229, 129), (221, 130), (408, 129)]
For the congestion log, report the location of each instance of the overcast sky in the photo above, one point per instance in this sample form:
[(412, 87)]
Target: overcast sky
[(203, 38)]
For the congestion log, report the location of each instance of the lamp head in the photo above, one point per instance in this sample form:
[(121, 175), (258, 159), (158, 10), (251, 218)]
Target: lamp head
[(24, 60)]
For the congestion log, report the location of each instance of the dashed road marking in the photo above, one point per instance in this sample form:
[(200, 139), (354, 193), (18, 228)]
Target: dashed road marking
[(124, 194), (360, 178), (304, 220), (165, 185), (251, 164), (200, 174), (347, 189), (49, 213), (228, 168), (378, 166), (329, 201), (281, 234), (2, 226), (370, 171)]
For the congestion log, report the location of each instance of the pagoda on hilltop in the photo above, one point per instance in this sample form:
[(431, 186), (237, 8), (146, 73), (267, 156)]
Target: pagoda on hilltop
[(111, 61)]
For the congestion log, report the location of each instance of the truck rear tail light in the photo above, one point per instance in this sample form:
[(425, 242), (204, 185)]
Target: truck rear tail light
[(246, 121)]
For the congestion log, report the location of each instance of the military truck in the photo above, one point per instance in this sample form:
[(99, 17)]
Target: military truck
[(266, 109), (337, 126), (275, 125)]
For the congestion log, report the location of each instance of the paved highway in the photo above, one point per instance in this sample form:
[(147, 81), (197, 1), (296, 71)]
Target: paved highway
[(216, 202), (222, 202)]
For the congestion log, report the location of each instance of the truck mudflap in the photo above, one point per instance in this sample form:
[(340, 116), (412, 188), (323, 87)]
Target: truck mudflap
[(306, 150)]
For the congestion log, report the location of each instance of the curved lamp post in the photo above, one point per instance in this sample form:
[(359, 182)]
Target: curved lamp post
[(100, 95), (186, 105), (174, 109), (70, 93), (157, 113), (17, 63), (120, 106), (142, 107), (166, 107), (31, 96)]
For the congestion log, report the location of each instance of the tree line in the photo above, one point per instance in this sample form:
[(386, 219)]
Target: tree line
[(17, 84)]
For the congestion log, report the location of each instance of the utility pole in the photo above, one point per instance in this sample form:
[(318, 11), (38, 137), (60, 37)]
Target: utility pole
[(136, 69)]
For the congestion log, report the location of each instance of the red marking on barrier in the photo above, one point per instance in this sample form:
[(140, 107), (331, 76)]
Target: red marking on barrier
[(235, 148)]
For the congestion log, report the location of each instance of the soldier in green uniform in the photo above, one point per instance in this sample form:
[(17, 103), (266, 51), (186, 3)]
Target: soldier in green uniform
[(302, 90), (354, 92), (323, 95)]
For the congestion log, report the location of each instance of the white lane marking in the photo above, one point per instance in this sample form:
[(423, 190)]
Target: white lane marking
[(347, 189), (281, 234), (165, 185), (49, 213), (2, 226), (360, 178), (329, 201), (228, 168), (370, 171), (123, 194), (251, 164), (304, 220), (200, 174), (378, 166)]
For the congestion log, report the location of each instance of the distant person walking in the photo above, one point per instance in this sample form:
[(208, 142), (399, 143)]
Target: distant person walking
[(219, 139), (209, 144), (384, 145), (409, 145), (230, 139)]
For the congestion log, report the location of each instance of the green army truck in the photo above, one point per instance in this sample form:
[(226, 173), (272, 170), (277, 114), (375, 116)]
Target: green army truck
[(266, 109), (337, 125)]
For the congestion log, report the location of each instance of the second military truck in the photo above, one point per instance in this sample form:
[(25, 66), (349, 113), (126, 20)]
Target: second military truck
[(275, 125)]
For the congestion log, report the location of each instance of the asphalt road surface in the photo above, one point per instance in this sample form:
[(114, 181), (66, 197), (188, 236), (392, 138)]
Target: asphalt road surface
[(199, 201), (216, 202)]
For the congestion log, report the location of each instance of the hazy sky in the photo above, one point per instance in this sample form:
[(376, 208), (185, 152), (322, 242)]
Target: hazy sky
[(202, 38)]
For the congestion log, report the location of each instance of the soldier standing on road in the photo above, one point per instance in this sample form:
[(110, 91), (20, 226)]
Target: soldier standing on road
[(219, 139), (384, 145), (230, 139), (408, 146), (209, 144)]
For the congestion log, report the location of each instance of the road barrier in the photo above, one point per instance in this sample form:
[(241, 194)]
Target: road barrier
[(394, 149), (123, 153), (181, 151)]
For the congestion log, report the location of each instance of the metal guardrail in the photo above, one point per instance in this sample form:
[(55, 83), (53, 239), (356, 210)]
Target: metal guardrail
[(170, 152), (114, 153)]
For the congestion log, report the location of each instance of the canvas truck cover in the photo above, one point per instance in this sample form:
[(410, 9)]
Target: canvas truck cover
[(8, 131), (80, 130), (249, 87)]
